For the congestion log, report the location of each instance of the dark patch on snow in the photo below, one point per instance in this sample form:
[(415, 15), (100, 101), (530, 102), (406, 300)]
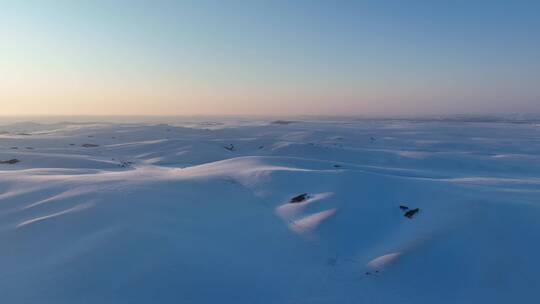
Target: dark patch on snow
[(411, 213), (89, 145), (124, 164), (282, 122), (10, 162), (299, 198)]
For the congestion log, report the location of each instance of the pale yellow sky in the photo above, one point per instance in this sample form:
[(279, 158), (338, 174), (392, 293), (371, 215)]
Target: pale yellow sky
[(204, 58)]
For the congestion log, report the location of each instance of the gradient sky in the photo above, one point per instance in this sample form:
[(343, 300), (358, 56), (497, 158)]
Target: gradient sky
[(269, 57)]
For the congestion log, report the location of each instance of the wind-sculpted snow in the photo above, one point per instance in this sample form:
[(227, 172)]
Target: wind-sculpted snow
[(296, 212)]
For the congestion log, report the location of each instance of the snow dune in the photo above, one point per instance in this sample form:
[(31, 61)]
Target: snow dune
[(142, 213)]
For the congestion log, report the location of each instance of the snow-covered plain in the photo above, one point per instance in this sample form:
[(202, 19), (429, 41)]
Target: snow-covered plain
[(201, 212)]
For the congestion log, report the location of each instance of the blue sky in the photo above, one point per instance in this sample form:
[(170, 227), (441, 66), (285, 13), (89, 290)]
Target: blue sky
[(269, 57)]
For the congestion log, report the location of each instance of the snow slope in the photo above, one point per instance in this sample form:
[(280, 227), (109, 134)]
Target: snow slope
[(156, 213)]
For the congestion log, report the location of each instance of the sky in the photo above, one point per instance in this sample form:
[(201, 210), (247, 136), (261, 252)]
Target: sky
[(71, 57)]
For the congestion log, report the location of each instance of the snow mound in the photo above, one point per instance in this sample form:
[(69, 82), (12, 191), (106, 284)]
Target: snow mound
[(383, 261)]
